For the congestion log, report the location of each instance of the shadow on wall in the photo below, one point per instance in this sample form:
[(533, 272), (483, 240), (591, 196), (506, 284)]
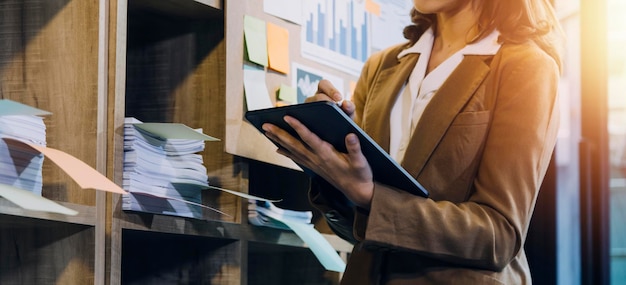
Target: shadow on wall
[(19, 28)]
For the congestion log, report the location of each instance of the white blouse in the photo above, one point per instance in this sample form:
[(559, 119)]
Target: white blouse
[(409, 106)]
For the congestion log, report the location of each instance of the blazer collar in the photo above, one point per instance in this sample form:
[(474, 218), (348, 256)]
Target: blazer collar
[(384, 92), (449, 100)]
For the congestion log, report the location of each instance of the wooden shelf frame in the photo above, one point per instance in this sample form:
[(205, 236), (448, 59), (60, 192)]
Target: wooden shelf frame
[(73, 59)]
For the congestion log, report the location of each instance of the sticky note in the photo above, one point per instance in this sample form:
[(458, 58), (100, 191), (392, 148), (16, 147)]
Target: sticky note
[(257, 96), (372, 7), (256, 40), (288, 94), (278, 48)]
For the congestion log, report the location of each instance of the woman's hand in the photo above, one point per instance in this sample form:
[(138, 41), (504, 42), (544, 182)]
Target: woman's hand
[(327, 92), (349, 172)]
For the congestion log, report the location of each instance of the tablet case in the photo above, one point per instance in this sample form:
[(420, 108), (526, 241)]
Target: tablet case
[(331, 124)]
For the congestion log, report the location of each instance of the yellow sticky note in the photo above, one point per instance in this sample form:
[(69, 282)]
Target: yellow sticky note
[(256, 40), (278, 48), (372, 7)]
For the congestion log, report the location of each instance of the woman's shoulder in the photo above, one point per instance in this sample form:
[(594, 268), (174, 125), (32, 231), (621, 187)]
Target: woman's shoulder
[(384, 58), (526, 53), (389, 52)]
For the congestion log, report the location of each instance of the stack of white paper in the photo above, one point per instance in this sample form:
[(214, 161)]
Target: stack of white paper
[(21, 166), (264, 213), (162, 175)]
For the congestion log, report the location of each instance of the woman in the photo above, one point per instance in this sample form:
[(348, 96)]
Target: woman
[(468, 107)]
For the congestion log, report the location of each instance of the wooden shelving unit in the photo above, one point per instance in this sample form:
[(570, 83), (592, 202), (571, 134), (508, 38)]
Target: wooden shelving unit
[(94, 62)]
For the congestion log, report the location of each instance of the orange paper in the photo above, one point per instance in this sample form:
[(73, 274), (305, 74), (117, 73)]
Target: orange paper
[(372, 7), (278, 48), (82, 173)]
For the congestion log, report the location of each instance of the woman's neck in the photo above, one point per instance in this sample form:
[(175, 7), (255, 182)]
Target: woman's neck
[(454, 28)]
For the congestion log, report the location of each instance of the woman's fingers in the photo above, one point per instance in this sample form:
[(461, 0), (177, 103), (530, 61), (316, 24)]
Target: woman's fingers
[(309, 138), (325, 92), (329, 89), (357, 159), (348, 107)]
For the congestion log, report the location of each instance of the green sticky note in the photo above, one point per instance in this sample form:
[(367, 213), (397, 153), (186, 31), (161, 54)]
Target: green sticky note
[(288, 94), (12, 108), (255, 35)]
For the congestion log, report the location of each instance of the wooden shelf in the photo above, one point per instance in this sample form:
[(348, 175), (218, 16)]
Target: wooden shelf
[(163, 258), (94, 63), (86, 214), (191, 9), (218, 229), (45, 251)]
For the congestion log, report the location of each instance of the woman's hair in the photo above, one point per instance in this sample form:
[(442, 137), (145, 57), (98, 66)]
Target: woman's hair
[(517, 21)]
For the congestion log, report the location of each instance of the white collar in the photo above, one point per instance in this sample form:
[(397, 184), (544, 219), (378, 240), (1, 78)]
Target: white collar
[(486, 46)]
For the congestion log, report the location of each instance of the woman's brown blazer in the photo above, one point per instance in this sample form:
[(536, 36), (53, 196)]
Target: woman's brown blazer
[(481, 149)]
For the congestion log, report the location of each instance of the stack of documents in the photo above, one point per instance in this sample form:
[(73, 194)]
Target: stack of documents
[(264, 213), (162, 175), (20, 165)]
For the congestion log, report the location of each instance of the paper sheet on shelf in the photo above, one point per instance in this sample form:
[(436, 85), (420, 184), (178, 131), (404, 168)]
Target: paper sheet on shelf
[(243, 195), (179, 200), (84, 175), (321, 248), (33, 202), (11, 108), (174, 131)]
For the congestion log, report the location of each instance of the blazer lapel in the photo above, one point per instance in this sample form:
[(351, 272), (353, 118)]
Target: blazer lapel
[(382, 97), (442, 109)]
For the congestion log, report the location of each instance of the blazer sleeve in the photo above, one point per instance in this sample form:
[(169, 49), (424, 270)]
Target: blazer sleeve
[(488, 229), (338, 211)]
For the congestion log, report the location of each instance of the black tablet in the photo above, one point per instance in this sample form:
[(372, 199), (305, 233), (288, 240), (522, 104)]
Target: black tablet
[(331, 124)]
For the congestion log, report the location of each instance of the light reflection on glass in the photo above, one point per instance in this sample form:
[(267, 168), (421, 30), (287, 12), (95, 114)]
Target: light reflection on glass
[(617, 135)]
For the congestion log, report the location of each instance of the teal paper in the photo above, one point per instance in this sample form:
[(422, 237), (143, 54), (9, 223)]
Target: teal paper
[(324, 252), (30, 201), (174, 131), (12, 108)]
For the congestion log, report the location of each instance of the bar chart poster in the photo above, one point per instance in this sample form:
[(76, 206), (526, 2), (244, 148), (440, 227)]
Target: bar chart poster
[(336, 33)]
